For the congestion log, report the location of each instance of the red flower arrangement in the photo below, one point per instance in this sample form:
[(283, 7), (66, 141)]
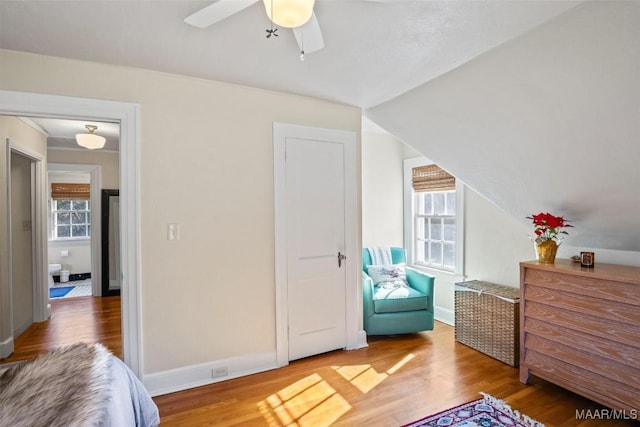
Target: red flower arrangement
[(547, 227)]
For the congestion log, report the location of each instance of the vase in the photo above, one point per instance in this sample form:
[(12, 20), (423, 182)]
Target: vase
[(546, 251)]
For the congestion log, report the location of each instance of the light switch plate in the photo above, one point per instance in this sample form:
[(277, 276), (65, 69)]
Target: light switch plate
[(173, 231)]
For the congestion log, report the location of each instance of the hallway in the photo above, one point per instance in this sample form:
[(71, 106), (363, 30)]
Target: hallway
[(87, 319)]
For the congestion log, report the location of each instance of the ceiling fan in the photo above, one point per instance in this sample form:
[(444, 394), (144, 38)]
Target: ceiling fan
[(295, 14)]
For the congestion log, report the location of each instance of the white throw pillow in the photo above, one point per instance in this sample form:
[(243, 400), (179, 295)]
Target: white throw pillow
[(387, 273)]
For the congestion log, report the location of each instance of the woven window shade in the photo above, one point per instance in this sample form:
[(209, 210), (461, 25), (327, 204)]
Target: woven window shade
[(65, 191), (432, 178)]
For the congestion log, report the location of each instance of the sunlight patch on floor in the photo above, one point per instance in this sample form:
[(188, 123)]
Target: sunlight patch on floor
[(400, 364), (308, 402), (312, 402), (363, 377)]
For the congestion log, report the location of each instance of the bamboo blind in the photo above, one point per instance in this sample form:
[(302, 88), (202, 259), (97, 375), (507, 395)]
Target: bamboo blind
[(66, 191), (432, 178)]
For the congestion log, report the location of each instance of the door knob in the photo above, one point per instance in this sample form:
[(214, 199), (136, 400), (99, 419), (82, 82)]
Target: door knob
[(340, 258)]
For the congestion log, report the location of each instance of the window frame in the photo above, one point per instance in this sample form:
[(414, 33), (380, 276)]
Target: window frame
[(54, 224), (410, 219)]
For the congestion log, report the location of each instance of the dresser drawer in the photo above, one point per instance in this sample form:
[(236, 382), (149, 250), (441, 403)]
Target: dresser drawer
[(592, 306), (613, 332), (614, 394), (584, 349), (598, 288)]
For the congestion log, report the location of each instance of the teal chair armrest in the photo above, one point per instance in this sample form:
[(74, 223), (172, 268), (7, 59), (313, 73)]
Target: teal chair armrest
[(367, 293), (420, 281)]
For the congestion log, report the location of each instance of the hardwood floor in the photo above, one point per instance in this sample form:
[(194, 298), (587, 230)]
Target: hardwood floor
[(88, 319), (394, 381)]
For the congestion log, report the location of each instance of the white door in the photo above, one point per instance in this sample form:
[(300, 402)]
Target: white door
[(315, 241)]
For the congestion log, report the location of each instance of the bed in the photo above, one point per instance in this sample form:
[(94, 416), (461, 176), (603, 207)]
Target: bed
[(77, 385)]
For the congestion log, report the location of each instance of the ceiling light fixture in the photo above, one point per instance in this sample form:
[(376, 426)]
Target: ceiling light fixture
[(289, 13), (90, 140)]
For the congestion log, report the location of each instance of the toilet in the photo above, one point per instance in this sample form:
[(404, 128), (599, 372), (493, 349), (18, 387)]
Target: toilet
[(53, 269)]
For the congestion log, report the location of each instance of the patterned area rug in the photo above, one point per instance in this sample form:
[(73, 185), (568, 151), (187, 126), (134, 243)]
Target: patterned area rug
[(487, 412)]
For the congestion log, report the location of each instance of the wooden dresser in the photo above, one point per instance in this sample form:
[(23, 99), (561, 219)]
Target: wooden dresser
[(580, 329)]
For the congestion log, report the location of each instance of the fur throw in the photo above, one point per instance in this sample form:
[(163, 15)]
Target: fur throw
[(68, 386)]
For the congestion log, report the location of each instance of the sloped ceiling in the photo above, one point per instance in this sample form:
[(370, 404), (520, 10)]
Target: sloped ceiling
[(547, 122)]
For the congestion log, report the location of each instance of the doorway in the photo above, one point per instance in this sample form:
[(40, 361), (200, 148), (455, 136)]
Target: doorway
[(76, 252), (22, 164), (22, 241), (127, 115)]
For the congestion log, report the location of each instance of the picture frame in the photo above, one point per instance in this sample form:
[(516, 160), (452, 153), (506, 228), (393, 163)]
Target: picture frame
[(587, 259)]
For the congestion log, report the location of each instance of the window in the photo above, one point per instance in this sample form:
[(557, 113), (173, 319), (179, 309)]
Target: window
[(71, 219), (70, 211), (433, 219), (435, 229)]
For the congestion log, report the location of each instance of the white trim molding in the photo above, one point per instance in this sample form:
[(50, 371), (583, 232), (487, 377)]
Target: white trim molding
[(34, 126), (128, 115), (6, 347), (187, 377), (362, 339), (445, 315)]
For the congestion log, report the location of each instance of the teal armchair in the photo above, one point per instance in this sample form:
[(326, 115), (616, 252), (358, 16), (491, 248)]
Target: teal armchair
[(385, 313)]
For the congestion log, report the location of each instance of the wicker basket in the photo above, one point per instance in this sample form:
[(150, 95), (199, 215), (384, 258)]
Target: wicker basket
[(488, 319)]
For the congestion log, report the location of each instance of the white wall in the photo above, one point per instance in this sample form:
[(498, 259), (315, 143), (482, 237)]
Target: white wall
[(607, 256), (207, 164), (108, 161), (382, 156), (546, 122), (495, 242), (78, 259)]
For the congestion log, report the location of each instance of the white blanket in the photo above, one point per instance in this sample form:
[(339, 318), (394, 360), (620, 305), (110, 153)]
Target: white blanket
[(380, 255)]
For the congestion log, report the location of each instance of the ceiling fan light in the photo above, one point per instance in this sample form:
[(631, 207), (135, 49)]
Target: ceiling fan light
[(90, 140), (289, 13)]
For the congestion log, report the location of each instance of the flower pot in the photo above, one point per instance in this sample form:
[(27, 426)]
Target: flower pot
[(546, 251)]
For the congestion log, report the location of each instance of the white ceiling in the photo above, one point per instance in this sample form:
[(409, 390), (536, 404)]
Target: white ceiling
[(374, 50), (61, 133)]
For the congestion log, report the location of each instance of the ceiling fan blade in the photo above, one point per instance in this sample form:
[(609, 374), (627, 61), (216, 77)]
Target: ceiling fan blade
[(217, 12), (309, 36)]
